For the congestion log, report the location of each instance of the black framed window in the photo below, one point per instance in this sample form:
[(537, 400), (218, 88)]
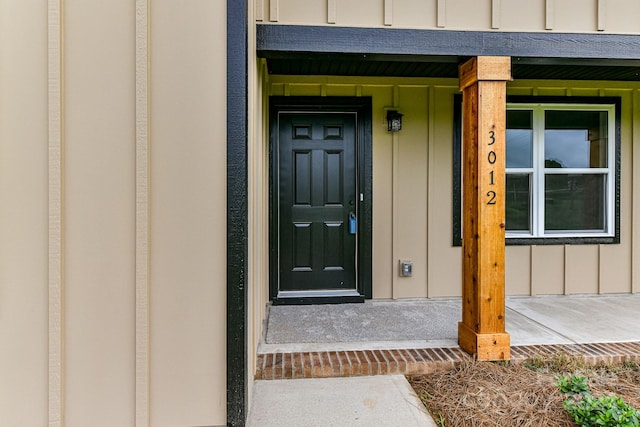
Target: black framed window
[(562, 170)]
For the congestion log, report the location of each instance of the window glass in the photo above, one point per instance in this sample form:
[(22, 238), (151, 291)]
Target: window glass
[(519, 139), (575, 139), (574, 202), (518, 206)]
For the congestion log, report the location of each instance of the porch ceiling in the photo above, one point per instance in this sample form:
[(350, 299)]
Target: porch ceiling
[(307, 50), (522, 68)]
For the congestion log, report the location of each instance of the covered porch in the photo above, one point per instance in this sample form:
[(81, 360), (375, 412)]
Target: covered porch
[(420, 335), (412, 324)]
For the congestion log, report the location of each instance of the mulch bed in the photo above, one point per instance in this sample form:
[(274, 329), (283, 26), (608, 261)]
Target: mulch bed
[(502, 394)]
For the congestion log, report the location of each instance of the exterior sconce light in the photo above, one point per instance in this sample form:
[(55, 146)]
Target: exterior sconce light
[(394, 121)]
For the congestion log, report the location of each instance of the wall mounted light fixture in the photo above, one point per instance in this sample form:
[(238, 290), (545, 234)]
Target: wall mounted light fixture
[(394, 121)]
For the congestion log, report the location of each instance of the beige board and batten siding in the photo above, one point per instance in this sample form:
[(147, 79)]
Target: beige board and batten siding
[(188, 213), (412, 192), (612, 16), (23, 214), (98, 213), (74, 94)]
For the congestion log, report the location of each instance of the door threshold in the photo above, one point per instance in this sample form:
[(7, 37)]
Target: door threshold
[(317, 297)]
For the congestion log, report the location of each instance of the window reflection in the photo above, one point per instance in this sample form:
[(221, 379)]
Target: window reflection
[(575, 139), (575, 202), (519, 139), (518, 202)]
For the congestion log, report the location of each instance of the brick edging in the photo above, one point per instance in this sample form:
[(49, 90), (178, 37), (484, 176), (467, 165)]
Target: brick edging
[(324, 364)]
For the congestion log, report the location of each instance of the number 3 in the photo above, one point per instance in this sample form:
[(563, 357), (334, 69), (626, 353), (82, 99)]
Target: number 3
[(492, 136)]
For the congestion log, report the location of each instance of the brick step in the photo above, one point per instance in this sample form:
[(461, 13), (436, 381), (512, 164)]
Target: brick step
[(325, 364)]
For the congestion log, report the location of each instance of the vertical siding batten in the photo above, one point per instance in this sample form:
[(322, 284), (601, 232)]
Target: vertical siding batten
[(599, 289), (332, 10), (431, 129), (395, 165), (274, 10), (531, 290), (496, 13), (549, 14), (259, 10), (142, 214), (441, 12), (565, 271), (388, 12), (602, 15), (56, 219), (635, 223)]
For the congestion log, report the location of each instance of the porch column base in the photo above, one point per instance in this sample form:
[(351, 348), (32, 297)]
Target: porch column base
[(492, 346)]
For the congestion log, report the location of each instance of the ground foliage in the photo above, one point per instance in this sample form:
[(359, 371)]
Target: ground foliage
[(483, 394)]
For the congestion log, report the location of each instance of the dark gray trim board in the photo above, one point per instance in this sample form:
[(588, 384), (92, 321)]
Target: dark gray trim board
[(276, 39), (237, 251)]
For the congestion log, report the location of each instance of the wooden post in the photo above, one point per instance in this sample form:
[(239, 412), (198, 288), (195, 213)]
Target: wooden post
[(483, 81)]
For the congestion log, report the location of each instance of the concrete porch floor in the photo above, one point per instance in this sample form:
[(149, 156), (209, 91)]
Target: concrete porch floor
[(433, 323), (365, 349)]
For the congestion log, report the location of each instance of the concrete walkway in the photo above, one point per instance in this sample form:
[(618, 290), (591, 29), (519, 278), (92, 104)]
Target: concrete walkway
[(383, 400), (388, 400)]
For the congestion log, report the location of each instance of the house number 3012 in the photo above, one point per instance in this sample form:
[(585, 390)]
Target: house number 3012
[(491, 158)]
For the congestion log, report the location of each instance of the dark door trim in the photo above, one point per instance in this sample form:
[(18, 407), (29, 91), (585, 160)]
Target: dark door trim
[(362, 107)]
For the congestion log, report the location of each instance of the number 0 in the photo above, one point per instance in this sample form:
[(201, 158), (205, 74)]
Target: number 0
[(492, 157)]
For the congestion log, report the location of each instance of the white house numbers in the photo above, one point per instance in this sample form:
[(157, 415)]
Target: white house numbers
[(491, 158)]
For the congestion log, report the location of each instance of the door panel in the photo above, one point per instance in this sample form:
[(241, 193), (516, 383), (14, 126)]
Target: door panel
[(317, 190)]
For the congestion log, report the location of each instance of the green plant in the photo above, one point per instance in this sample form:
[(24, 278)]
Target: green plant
[(589, 411), (573, 384), (606, 411)]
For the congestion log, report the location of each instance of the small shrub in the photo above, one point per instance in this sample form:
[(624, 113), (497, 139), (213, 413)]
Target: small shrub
[(588, 411), (606, 411), (573, 384)]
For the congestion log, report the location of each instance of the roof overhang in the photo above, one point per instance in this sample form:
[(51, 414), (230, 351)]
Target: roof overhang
[(328, 50)]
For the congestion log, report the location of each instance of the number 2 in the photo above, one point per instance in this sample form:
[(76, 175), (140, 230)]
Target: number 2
[(492, 197)]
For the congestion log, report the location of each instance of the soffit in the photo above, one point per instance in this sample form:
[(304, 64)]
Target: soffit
[(303, 65)]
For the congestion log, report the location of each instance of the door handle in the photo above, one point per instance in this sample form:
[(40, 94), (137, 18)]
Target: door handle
[(353, 223)]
